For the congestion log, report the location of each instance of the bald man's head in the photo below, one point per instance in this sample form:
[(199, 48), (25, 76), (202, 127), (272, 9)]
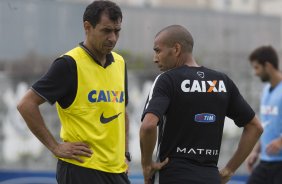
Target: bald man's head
[(177, 34)]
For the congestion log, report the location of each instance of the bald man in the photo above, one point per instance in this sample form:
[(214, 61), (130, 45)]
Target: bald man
[(188, 104)]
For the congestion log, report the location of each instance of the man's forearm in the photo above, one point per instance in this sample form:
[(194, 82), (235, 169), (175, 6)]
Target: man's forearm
[(148, 137), (29, 110), (256, 149), (249, 138)]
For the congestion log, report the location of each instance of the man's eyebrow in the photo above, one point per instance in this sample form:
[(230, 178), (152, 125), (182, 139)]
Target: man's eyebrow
[(111, 29)]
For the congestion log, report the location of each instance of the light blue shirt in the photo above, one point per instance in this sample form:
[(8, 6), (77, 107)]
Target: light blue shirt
[(271, 117)]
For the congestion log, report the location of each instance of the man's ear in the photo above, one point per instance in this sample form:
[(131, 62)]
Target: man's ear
[(86, 26), (268, 65), (177, 49)]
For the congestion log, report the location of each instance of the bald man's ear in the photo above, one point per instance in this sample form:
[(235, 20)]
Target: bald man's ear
[(177, 49)]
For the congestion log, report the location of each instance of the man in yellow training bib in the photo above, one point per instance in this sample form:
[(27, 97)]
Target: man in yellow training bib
[(89, 86)]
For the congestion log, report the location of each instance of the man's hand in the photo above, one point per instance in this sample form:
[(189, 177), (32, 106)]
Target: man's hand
[(149, 170), (72, 150), (274, 147), (127, 163), (251, 160), (225, 175)]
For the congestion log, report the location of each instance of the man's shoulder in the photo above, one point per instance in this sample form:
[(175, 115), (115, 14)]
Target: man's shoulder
[(64, 63), (65, 60), (117, 57), (163, 78), (203, 70), (71, 51), (214, 71)]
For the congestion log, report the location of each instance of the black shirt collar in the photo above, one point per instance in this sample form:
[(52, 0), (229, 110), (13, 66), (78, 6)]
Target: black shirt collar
[(109, 57)]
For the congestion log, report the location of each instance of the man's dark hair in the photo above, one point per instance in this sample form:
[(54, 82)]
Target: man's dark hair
[(94, 11), (265, 54)]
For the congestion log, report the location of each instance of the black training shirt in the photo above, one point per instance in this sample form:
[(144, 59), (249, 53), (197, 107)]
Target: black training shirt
[(191, 103)]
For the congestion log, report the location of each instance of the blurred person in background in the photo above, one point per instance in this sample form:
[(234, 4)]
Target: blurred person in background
[(188, 103), (89, 86), (265, 63)]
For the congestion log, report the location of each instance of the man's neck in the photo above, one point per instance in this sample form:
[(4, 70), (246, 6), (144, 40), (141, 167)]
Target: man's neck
[(98, 55), (276, 78), (189, 61)]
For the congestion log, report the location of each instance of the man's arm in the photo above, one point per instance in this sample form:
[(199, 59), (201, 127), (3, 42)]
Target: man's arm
[(274, 146), (252, 158), (148, 138), (126, 132), (29, 109), (249, 138)]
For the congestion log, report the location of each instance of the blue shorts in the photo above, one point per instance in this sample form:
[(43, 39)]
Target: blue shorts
[(180, 171), (72, 174), (266, 173)]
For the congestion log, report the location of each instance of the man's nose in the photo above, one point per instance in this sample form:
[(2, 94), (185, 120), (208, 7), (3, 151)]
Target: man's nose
[(113, 37), (256, 72), (155, 59)]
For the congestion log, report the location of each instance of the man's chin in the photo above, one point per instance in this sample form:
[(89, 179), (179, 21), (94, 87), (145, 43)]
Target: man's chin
[(108, 49)]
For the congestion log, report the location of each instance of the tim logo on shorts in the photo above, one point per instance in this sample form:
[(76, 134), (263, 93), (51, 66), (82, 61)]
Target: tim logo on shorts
[(216, 86), (205, 118)]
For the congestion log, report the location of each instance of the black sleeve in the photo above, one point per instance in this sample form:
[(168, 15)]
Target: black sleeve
[(239, 110), (159, 97), (59, 83)]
